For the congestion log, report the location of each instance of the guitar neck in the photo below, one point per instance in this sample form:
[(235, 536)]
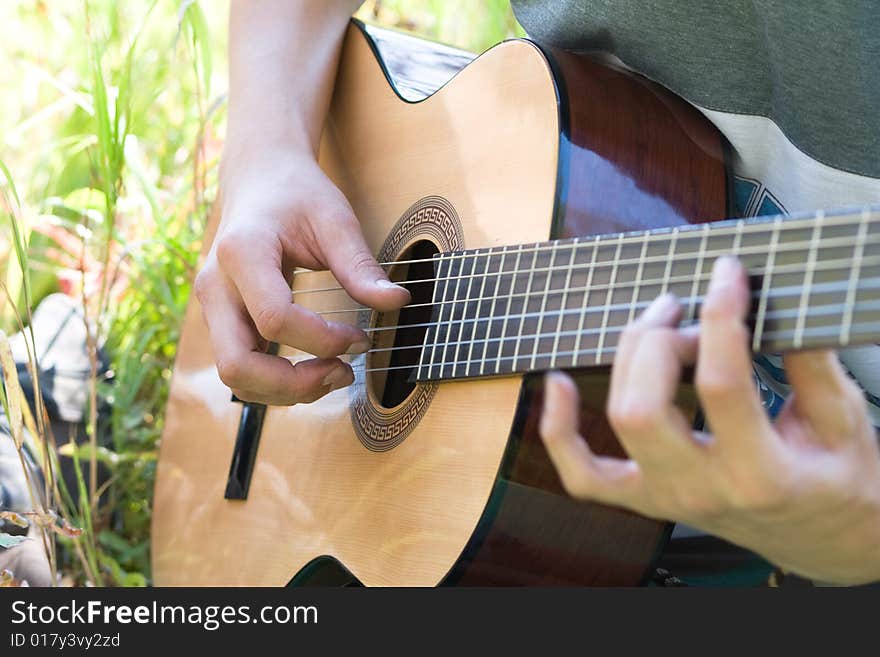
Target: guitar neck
[(815, 282)]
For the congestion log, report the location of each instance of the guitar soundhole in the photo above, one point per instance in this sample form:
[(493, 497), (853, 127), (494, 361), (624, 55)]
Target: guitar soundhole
[(395, 351)]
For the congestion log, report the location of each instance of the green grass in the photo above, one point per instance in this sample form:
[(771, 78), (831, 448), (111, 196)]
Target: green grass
[(110, 121)]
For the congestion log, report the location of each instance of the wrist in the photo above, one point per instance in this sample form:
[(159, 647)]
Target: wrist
[(262, 162)]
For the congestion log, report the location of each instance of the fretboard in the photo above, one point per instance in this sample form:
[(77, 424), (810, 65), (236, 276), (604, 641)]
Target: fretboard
[(561, 304)]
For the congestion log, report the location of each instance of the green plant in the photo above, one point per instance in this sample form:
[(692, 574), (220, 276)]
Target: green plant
[(114, 216)]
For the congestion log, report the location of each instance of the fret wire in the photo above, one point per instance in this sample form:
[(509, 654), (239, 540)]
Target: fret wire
[(525, 307), (698, 271), (492, 308), (608, 297), (869, 328), (758, 250), (808, 280), (789, 313), (553, 254), (793, 268), (452, 316), (787, 291), (464, 310), (719, 228), (509, 300), (737, 239), (564, 302), (438, 324), (765, 285), (670, 256), (635, 294), (477, 311), (587, 292), (852, 286)]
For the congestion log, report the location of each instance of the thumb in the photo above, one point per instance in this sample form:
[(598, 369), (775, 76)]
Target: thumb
[(349, 258)]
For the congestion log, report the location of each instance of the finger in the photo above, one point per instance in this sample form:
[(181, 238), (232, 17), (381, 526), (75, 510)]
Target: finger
[(254, 266), (583, 474), (642, 411), (354, 266), (823, 394), (256, 376), (665, 310), (724, 379), (310, 380)]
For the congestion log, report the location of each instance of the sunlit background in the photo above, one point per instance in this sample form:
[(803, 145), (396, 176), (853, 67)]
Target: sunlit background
[(111, 122)]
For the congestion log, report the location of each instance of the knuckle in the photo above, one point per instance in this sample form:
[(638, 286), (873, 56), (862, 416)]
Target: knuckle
[(203, 283), (634, 416), (362, 262), (230, 372), (228, 248), (269, 321), (716, 384)]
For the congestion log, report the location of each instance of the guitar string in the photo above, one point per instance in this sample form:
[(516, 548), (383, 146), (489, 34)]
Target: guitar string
[(821, 332), (820, 309), (603, 240), (866, 284), (792, 248), (719, 228), (791, 313), (618, 287)]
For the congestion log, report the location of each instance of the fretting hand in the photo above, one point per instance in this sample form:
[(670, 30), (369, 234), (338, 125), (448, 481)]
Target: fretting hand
[(803, 491)]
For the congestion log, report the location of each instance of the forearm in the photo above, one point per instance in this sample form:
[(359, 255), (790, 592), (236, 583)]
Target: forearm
[(282, 63)]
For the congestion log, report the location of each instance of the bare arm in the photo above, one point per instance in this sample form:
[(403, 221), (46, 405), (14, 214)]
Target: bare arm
[(280, 211), (282, 62)]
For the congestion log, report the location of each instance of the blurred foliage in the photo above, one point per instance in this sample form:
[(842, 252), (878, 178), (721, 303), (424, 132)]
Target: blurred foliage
[(110, 113), (474, 25)]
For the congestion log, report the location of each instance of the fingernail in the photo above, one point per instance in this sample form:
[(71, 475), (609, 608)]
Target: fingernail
[(359, 347), (338, 377), (387, 285), (723, 270)]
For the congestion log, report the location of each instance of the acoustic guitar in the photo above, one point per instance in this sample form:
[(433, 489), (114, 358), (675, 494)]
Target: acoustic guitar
[(533, 205)]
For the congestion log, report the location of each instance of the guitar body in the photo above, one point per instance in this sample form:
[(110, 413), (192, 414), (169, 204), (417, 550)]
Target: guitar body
[(449, 484)]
